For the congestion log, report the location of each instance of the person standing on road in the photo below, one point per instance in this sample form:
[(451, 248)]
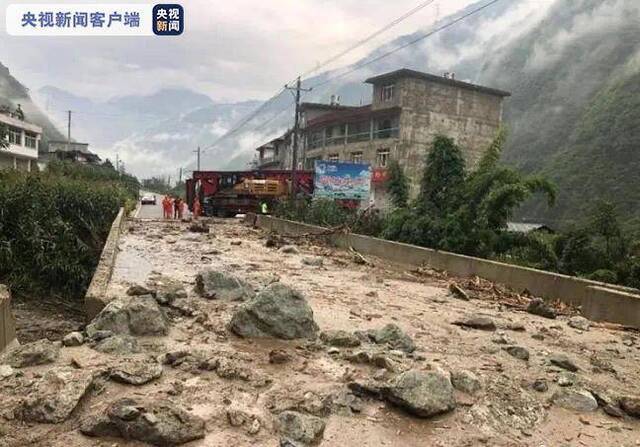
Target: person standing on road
[(177, 208), (166, 207), (196, 208), (264, 209)]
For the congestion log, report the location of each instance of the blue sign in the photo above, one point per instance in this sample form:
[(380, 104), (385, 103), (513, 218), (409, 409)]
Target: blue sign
[(168, 20), (336, 180)]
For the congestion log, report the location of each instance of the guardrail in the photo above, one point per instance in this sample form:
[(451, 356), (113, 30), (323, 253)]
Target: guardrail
[(95, 298), (598, 301)]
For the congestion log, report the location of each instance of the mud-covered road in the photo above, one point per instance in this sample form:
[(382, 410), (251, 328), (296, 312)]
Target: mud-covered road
[(518, 379)]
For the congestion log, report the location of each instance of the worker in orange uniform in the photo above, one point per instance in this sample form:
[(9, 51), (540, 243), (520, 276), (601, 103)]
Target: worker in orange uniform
[(167, 205), (196, 208)]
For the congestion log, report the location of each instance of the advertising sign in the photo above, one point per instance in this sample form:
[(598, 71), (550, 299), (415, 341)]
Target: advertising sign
[(336, 180)]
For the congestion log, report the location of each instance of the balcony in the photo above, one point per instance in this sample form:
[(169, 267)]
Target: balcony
[(381, 134)]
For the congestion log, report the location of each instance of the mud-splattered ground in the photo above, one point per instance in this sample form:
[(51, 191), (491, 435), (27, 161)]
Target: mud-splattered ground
[(346, 295)]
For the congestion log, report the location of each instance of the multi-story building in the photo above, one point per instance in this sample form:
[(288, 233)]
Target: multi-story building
[(70, 151), (276, 154), (24, 142), (408, 109)]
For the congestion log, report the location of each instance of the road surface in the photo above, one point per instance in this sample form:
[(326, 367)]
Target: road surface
[(241, 386), (151, 211)]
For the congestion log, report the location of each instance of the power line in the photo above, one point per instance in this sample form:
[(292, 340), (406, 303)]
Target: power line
[(407, 44)]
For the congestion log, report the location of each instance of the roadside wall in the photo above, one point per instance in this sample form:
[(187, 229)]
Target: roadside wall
[(95, 298), (7, 322), (599, 301)]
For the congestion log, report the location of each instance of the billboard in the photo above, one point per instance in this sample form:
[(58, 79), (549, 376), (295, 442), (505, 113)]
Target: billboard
[(337, 180)]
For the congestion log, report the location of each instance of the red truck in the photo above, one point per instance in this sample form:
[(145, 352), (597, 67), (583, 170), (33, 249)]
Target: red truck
[(227, 193)]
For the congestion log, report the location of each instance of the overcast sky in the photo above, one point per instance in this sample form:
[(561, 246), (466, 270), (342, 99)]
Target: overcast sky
[(231, 50)]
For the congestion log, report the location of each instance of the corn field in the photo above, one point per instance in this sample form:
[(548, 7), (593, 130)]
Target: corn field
[(53, 225)]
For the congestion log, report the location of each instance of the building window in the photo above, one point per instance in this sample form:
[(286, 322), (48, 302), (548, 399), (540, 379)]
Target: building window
[(356, 157), (15, 136), (334, 157), (382, 158), (386, 93), (30, 140)]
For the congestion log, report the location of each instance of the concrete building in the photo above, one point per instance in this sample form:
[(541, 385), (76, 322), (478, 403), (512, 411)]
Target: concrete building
[(24, 142), (72, 151), (408, 109), (276, 154)]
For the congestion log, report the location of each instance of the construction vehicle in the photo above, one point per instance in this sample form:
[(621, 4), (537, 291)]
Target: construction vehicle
[(227, 193)]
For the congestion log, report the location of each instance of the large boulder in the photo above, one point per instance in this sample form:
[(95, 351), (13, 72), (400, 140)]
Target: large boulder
[(339, 338), (423, 394), (394, 337), (31, 354), (138, 315), (156, 422), (55, 396), (277, 311), (118, 345), (575, 399), (300, 427), (136, 372), (212, 284)]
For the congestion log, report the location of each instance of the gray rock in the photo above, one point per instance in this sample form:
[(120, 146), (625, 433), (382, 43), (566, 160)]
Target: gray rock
[(482, 323), (31, 354), (6, 371), (212, 284), (73, 339), (537, 306), (423, 394), (137, 290), (135, 372), (167, 290), (146, 317), (567, 379), (278, 357), (300, 427), (55, 396), (466, 381), (575, 399), (579, 323), (631, 405), (342, 339), (289, 249), (313, 261), (139, 315), (564, 362), (518, 352), (156, 422), (277, 311), (540, 385), (394, 337), (118, 345), (608, 404)]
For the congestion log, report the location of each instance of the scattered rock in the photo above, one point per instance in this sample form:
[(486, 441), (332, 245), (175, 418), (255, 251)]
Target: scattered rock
[(215, 284), (55, 396), (566, 379), (518, 352), (537, 306), (31, 354), (157, 422), (540, 385), (238, 417), (516, 327), (289, 250), (423, 394), (599, 364), (608, 404), (139, 315), (198, 227), (226, 369), (119, 345), (342, 339), (136, 372), (564, 362), (278, 311), (394, 337), (458, 292), (167, 290), (300, 427), (575, 399), (73, 339), (481, 323), (6, 371), (501, 338), (138, 290), (579, 323), (278, 357), (313, 261), (465, 381), (631, 405)]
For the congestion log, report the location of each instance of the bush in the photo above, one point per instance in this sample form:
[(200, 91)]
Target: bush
[(604, 275), (53, 225)]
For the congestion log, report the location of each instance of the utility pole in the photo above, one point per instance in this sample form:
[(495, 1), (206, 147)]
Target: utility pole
[(296, 131), (68, 130), (180, 176), (197, 152), (117, 164)]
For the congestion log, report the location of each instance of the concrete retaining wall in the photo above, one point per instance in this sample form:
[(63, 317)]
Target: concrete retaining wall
[(95, 298), (7, 322), (599, 301)]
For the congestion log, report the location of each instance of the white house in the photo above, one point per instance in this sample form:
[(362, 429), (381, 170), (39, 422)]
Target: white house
[(24, 141)]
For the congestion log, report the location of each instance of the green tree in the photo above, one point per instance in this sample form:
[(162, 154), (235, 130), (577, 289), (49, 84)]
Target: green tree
[(603, 221), (443, 176), (398, 185)]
